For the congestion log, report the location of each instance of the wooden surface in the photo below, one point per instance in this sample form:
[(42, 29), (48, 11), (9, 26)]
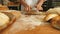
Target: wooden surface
[(43, 29), (4, 8)]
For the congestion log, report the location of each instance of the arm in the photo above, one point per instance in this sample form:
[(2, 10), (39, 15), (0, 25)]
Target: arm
[(41, 2), (27, 7), (23, 3)]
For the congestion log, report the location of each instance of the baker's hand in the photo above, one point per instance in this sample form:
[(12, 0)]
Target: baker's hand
[(39, 7), (27, 8)]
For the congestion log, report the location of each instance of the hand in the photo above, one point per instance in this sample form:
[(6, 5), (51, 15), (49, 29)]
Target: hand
[(39, 7), (27, 8)]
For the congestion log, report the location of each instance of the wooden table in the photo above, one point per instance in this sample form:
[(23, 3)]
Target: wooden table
[(43, 29)]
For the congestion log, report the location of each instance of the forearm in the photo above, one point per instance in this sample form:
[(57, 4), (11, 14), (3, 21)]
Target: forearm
[(41, 2), (23, 3)]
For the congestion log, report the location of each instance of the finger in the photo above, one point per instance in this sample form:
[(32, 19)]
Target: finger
[(29, 9), (26, 9)]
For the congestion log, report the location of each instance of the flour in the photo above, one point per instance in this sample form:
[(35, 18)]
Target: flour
[(30, 22), (27, 23)]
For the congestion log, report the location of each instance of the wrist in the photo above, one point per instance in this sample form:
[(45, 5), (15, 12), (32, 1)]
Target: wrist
[(38, 5)]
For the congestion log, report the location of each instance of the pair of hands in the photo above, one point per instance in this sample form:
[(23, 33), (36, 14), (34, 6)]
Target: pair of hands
[(28, 8)]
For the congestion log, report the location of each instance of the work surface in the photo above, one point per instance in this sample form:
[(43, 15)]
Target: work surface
[(15, 28)]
